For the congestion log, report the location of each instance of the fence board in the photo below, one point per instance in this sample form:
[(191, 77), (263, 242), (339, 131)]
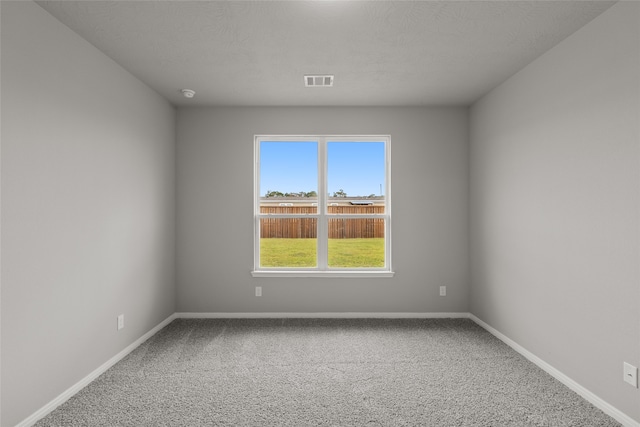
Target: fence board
[(306, 228)]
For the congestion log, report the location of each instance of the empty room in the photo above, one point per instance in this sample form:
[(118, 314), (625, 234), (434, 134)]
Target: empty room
[(320, 213)]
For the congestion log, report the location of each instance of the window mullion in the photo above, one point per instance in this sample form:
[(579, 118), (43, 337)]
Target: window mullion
[(322, 205)]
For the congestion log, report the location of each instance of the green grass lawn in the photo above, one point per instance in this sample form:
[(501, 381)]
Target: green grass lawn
[(343, 253)]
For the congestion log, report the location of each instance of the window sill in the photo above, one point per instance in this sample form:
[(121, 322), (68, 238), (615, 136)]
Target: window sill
[(336, 274)]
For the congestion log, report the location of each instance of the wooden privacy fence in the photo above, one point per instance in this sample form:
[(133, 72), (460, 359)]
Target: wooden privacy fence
[(306, 228)]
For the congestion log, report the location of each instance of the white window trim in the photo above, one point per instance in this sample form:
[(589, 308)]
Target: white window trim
[(322, 270)]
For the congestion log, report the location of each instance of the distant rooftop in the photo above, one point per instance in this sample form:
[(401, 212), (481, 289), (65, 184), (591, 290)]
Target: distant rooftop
[(300, 198), (331, 201)]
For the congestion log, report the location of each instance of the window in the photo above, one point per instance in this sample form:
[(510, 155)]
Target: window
[(322, 206)]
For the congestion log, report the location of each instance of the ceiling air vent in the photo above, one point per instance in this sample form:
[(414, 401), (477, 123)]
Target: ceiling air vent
[(318, 81)]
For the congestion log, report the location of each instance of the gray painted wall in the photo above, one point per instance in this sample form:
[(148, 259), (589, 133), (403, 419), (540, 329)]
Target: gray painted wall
[(429, 214), (555, 206), (88, 209)]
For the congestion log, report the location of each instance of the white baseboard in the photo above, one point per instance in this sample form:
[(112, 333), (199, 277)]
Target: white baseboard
[(322, 315), (596, 401), (49, 407)]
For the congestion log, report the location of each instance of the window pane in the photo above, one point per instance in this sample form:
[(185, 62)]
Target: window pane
[(356, 243), (288, 185), (288, 242), (356, 177), (288, 177)]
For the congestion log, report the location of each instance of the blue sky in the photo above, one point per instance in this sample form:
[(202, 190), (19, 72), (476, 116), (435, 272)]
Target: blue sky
[(356, 167)]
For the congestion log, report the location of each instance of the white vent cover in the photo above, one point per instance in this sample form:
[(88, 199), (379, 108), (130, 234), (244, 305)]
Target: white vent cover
[(318, 81)]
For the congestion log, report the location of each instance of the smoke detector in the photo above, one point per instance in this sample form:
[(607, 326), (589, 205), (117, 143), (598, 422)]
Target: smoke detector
[(325, 80), (188, 93)]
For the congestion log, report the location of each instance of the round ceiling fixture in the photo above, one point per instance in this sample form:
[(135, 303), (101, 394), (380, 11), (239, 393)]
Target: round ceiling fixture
[(188, 93)]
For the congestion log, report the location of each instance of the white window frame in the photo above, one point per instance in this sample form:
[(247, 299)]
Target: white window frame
[(322, 269)]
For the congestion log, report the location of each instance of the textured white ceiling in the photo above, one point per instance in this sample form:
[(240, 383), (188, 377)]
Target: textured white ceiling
[(384, 53)]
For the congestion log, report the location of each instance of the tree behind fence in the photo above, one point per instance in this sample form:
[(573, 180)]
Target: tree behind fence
[(306, 228)]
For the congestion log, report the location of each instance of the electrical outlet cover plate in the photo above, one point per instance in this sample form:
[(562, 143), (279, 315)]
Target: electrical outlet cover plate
[(631, 374), (120, 321), (258, 291)]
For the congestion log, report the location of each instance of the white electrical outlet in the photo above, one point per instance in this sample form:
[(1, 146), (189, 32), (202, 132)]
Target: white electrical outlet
[(121, 321), (258, 291), (631, 374), (443, 291)]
